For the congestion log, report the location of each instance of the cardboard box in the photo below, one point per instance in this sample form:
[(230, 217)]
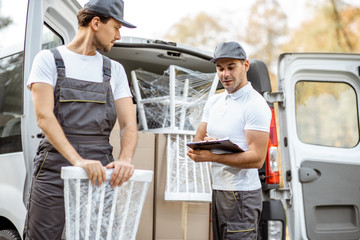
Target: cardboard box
[(144, 158)]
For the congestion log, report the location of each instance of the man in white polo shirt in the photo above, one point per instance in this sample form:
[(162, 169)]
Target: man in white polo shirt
[(242, 115)]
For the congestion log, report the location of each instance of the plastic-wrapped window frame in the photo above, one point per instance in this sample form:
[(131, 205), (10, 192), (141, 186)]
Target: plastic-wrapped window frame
[(103, 212), (186, 180), (174, 100), (173, 104)]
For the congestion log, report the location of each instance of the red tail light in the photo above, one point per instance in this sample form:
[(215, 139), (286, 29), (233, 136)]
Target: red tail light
[(272, 158)]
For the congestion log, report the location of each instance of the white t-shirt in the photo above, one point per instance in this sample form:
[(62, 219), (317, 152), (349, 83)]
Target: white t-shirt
[(81, 67), (228, 116)]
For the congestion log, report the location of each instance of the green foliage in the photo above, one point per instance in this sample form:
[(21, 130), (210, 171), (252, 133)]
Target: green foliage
[(200, 31), (332, 29)]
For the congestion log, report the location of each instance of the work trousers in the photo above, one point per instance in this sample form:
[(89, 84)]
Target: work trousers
[(236, 214)]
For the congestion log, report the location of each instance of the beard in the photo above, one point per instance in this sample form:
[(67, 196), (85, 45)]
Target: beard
[(100, 46), (232, 86)]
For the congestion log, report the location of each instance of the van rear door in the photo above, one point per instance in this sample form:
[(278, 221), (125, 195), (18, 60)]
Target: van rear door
[(319, 137)]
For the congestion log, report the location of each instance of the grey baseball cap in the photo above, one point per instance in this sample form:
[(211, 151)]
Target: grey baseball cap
[(111, 8), (229, 50)]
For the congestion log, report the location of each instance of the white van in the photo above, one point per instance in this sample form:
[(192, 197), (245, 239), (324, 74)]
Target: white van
[(318, 115)]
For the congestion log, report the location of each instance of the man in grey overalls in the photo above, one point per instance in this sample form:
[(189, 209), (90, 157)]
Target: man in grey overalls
[(78, 94)]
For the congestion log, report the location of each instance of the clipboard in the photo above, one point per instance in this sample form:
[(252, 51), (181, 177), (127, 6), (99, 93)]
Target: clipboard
[(216, 146)]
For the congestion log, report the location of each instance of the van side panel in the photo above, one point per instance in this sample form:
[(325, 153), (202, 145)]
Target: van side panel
[(12, 174)]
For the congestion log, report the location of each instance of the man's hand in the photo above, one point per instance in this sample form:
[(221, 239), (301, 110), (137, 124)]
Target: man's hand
[(94, 169), (200, 155), (207, 138), (123, 170)]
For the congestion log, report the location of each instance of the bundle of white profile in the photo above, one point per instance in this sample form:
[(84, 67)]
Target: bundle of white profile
[(103, 212)]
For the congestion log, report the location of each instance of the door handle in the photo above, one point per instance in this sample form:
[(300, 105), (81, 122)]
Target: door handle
[(308, 174)]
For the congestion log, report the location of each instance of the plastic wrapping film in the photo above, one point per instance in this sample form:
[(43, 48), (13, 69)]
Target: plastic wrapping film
[(103, 212), (173, 104), (154, 92), (186, 179)]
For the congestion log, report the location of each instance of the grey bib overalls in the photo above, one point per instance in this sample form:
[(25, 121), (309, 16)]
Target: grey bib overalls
[(86, 112)]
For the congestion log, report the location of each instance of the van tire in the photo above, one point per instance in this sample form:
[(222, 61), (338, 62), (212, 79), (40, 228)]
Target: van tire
[(9, 234)]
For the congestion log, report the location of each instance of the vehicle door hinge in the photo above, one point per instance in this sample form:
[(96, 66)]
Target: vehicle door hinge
[(273, 97), (283, 194)]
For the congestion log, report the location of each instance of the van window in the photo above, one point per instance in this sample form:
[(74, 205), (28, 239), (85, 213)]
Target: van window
[(11, 89), (10, 102), (50, 39), (327, 114), (12, 31)]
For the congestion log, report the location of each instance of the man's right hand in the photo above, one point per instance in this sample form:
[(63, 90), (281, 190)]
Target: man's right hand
[(94, 169)]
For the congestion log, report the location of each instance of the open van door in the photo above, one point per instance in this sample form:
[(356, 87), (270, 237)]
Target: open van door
[(319, 137), (49, 24)]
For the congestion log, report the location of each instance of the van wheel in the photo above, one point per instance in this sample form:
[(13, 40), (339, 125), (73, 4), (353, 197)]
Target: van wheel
[(9, 234)]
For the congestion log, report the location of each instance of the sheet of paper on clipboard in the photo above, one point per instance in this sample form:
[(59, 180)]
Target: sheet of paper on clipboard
[(220, 146)]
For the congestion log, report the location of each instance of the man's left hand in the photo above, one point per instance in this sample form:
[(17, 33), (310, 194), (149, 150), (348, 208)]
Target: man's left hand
[(123, 171)]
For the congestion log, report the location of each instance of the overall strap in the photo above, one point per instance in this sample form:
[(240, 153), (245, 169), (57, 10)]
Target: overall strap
[(106, 69), (60, 67), (59, 62)]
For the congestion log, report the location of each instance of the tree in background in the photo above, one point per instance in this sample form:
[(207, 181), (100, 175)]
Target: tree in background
[(334, 28), (4, 21), (263, 34), (202, 31), (265, 31)]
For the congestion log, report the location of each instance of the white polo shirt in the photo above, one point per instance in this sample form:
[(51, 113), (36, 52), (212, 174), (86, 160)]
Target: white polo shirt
[(228, 116)]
